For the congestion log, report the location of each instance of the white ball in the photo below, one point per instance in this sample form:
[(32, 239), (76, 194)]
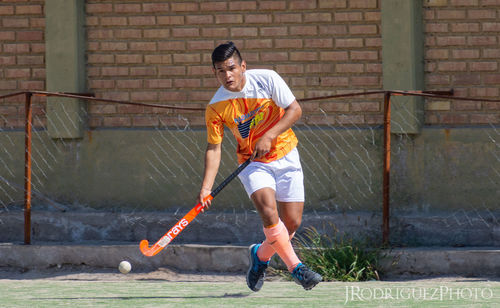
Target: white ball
[(124, 267)]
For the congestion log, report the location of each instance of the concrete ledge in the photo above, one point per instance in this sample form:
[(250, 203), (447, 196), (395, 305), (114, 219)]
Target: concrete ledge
[(477, 262)]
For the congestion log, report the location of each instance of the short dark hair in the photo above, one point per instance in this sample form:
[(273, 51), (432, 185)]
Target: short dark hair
[(225, 51)]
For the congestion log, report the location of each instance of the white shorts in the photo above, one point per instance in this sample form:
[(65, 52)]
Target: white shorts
[(284, 176)]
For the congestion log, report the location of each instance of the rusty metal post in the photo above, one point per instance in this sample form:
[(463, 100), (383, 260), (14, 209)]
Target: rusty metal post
[(387, 167), (27, 170)]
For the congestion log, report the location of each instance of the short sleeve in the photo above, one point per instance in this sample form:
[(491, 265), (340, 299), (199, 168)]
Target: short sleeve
[(281, 93), (215, 126)]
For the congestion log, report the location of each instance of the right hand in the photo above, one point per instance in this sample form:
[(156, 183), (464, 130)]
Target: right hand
[(203, 193)]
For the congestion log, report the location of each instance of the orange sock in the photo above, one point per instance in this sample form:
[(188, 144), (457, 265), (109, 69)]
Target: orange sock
[(278, 238), (266, 251)]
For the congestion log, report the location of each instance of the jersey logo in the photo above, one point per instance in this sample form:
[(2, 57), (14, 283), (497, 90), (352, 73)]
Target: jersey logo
[(245, 127)]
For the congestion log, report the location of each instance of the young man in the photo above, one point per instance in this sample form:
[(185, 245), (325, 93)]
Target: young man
[(259, 109)]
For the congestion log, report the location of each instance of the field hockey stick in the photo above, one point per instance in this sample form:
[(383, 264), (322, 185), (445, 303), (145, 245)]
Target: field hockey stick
[(184, 222)]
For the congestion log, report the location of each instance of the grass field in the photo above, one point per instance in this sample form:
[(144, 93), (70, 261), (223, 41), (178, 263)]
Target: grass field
[(126, 291)]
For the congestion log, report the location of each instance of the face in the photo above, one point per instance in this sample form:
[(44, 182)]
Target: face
[(231, 74)]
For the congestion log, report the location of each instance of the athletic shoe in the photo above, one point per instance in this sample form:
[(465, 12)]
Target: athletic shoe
[(305, 277), (257, 269)]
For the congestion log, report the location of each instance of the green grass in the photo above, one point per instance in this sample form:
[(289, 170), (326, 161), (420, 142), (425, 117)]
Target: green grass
[(337, 257), (133, 293)]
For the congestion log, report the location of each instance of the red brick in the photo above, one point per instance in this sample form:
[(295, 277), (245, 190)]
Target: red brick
[(320, 68), (484, 92), (213, 6), (363, 29), (156, 33), (170, 20), (187, 83), (466, 105), (363, 4), (273, 31), (244, 31), (129, 58), (466, 79), (173, 96), (98, 108), (371, 16), (6, 10), (129, 83), (450, 14), (214, 32), (318, 43), (481, 14), (332, 29), (101, 84), (30, 60), (142, 20), (28, 9), (348, 43), (365, 106), (155, 7), (143, 71), (437, 54), (452, 66), (303, 56), (113, 21), (128, 8), (438, 79), (199, 19), (332, 4), (158, 59), (364, 55), (143, 46), (287, 18), (290, 69), (303, 30), (114, 71), (187, 58), (492, 105), (334, 81), (451, 41), (334, 56), (272, 5), (491, 53), (15, 22), (465, 53), (185, 32), (302, 5), (200, 45), (242, 5), (373, 68), (172, 45), (483, 66), (127, 33), (436, 27), (317, 17), (113, 46), (229, 19), (172, 70), (100, 33), (481, 40), (99, 7), (259, 44), (100, 58), (373, 42), (465, 27), (7, 36), (258, 18), (464, 2), (31, 85), (491, 26), (348, 16), (18, 73), (350, 68), (288, 43), (7, 60), (185, 7), (274, 56), (144, 96)]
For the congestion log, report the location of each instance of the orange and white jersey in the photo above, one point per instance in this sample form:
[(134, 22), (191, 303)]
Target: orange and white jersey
[(249, 114)]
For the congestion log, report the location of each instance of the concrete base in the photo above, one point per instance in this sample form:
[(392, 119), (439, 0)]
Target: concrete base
[(475, 262), (223, 228)]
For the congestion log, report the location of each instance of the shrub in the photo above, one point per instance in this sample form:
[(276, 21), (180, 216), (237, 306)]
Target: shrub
[(337, 258)]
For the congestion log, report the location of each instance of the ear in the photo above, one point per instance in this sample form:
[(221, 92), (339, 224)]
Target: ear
[(243, 65)]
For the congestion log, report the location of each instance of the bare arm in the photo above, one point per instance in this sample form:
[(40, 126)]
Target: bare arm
[(212, 162), (292, 115)]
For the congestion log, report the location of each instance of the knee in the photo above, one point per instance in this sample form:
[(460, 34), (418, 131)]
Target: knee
[(292, 224)]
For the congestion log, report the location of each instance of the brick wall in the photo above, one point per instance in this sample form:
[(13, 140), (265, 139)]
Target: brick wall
[(22, 51), (463, 52), (159, 52)]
